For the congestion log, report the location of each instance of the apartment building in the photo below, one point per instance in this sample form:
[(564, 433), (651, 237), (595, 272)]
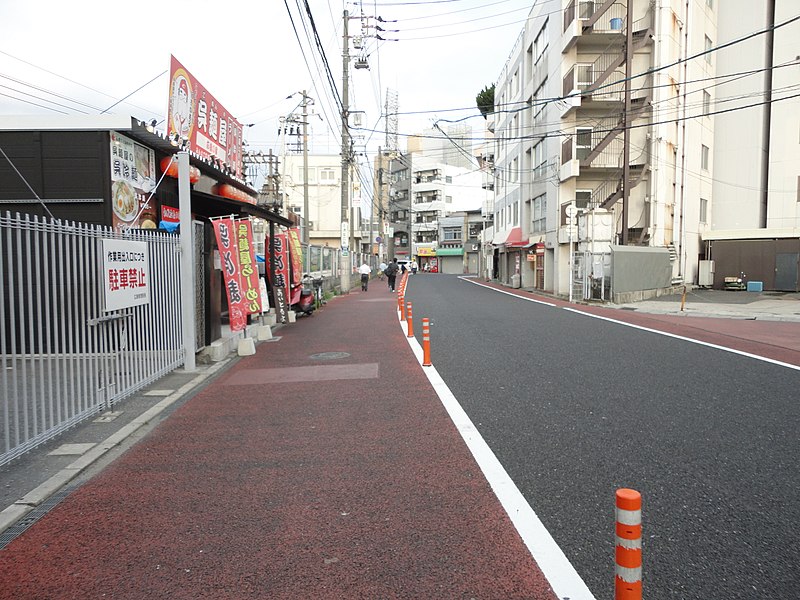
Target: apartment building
[(753, 212), (324, 197), (578, 124)]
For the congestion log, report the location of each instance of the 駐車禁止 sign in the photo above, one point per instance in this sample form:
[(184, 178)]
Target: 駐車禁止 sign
[(126, 274)]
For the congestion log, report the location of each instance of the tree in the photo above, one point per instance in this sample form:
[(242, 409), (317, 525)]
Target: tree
[(485, 100)]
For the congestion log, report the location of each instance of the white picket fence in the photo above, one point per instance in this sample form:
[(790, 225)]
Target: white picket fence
[(63, 357)]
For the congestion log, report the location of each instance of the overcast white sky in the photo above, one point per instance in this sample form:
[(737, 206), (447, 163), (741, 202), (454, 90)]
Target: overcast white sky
[(85, 55)]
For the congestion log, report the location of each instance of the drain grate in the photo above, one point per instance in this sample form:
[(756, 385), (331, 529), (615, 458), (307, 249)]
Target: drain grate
[(329, 355), (13, 532)]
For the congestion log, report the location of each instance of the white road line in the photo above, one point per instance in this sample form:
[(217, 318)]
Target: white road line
[(686, 339), (555, 566), (657, 331), (494, 289)]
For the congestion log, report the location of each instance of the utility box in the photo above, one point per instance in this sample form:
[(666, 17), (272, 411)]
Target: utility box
[(705, 273)]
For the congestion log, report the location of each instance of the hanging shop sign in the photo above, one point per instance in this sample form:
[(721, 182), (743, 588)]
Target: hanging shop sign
[(126, 274), (229, 256), (133, 177), (195, 115)]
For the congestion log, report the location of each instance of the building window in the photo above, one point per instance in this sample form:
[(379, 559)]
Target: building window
[(710, 3), (709, 45), (448, 179), (704, 153), (703, 210), (583, 198), (448, 199), (515, 216), (539, 213), (451, 234), (541, 42), (538, 161), (583, 142), (706, 103), (327, 176)]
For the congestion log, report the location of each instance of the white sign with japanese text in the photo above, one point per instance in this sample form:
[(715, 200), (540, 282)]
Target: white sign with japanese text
[(126, 274)]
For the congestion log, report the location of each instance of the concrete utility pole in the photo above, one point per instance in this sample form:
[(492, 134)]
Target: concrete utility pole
[(306, 233), (187, 262), (626, 148), (344, 263), (380, 232)]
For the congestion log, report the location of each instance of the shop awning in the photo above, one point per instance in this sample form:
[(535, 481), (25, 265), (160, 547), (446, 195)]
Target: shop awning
[(511, 238), (449, 252), (209, 205)]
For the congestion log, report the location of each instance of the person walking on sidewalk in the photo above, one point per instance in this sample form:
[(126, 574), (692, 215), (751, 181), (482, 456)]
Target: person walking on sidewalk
[(391, 273), (381, 270), (365, 270)]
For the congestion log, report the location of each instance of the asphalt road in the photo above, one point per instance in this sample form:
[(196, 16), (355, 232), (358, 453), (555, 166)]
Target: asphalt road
[(576, 407)]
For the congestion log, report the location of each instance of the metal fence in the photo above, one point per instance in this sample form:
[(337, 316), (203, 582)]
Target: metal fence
[(592, 276), (64, 358)]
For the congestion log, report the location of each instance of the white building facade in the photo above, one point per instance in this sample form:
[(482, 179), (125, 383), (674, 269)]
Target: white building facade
[(560, 126)]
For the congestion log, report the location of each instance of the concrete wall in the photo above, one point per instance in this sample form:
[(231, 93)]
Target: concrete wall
[(637, 270)]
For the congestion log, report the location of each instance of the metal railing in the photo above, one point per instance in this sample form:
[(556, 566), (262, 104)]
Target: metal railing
[(63, 357)]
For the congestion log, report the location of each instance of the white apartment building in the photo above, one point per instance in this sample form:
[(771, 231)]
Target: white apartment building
[(437, 190), (324, 197), (559, 124), (754, 216)]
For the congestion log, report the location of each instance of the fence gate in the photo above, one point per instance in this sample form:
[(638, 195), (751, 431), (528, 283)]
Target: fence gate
[(63, 357), (592, 276)]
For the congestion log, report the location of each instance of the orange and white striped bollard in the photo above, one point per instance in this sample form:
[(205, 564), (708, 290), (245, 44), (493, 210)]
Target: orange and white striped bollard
[(628, 554), (402, 308), (409, 320), (426, 343)]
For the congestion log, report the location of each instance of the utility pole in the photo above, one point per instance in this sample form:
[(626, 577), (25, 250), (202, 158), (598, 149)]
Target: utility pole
[(344, 263), (380, 233), (626, 148), (306, 233)]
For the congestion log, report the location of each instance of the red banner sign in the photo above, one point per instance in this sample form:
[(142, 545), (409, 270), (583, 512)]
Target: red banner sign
[(195, 115), (247, 263), (296, 250), (229, 256)]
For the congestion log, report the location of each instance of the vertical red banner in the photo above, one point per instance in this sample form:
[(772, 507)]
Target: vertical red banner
[(247, 264), (296, 250), (229, 257), (282, 260)]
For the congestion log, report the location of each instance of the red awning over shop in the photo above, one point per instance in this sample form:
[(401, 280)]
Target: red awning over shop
[(512, 238)]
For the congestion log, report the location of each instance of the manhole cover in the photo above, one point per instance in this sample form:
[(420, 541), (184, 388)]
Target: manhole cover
[(329, 355)]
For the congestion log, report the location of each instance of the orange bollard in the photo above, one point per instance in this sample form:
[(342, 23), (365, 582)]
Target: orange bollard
[(426, 343), (628, 568), (402, 308), (410, 321)]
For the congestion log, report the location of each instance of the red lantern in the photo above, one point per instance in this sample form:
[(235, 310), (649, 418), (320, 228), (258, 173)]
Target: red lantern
[(194, 174), (169, 166)]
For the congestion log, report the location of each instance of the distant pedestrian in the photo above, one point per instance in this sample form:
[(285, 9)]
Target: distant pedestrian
[(414, 267), (391, 273), (381, 269), (403, 268), (365, 270)]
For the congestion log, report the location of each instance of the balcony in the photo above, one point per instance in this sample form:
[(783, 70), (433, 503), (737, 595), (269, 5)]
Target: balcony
[(594, 21)]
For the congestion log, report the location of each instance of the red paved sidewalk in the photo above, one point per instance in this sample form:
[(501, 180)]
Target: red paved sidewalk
[(289, 477)]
